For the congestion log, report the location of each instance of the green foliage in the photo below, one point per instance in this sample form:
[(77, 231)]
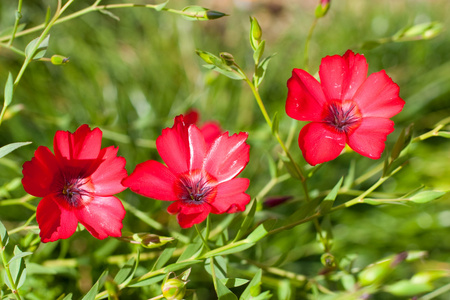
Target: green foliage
[(133, 69)]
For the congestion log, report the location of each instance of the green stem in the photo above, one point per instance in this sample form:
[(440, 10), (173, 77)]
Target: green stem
[(271, 184), (361, 197), (95, 7), (8, 271), (205, 243), (16, 23), (269, 122), (24, 226), (307, 42)]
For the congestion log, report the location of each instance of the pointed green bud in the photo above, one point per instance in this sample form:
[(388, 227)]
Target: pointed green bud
[(199, 13), (255, 33), (175, 288), (206, 56), (322, 8), (377, 272), (212, 14), (59, 60), (227, 58)]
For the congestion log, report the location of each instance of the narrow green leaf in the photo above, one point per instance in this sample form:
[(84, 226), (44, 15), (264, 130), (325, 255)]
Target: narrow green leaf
[(65, 297), (148, 281), (223, 293), (11, 147), (259, 51), (254, 283), (192, 251), (350, 178), (165, 256), (230, 74), (109, 14), (127, 269), (4, 235), (304, 211), (9, 89), (291, 168), (19, 256), (261, 69), (181, 265), (327, 203), (233, 282), (261, 231), (275, 123), (220, 266), (426, 196), (94, 289), (18, 270), (248, 221), (161, 6), (406, 288), (34, 52), (229, 249)]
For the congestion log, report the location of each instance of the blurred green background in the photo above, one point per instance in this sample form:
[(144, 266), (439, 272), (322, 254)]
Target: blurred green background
[(132, 77)]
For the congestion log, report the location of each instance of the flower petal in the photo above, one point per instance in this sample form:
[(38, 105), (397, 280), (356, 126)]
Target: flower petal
[(41, 173), (211, 131), (230, 196), (305, 98), (379, 96), (181, 147), (189, 215), (83, 144), (102, 217), (341, 76), (109, 174), (152, 179), (320, 143), (368, 139), (227, 156), (54, 221)]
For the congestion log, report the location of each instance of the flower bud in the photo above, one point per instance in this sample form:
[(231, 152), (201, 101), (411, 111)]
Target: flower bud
[(377, 272), (255, 33), (275, 201), (227, 58), (173, 289), (59, 60), (322, 8)]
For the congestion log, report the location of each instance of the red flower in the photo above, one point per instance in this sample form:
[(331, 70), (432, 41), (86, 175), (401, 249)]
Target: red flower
[(77, 184), (345, 108), (210, 130), (200, 179)]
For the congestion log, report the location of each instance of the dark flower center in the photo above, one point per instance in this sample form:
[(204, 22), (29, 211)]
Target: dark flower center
[(196, 187), (77, 191), (343, 116)]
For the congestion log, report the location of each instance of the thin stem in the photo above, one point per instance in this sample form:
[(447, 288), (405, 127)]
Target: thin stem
[(16, 23), (202, 237), (269, 122), (271, 184), (361, 197), (24, 226), (8, 271), (307, 42), (95, 7)]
